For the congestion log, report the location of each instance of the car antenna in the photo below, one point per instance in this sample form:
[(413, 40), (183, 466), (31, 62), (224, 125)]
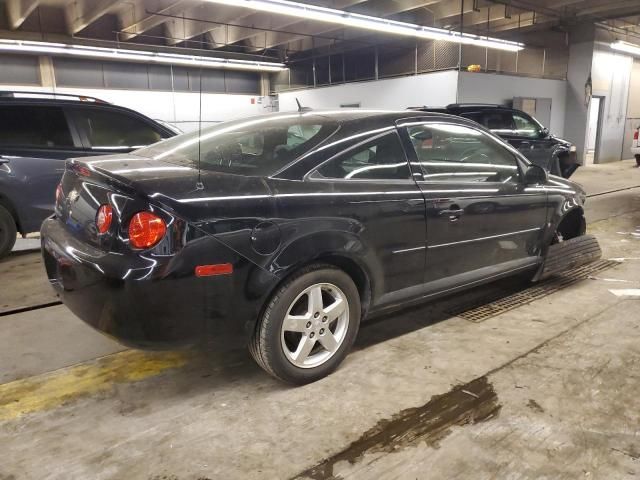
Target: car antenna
[(301, 108), (199, 185)]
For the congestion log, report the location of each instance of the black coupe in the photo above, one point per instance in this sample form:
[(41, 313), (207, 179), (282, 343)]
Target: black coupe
[(290, 228)]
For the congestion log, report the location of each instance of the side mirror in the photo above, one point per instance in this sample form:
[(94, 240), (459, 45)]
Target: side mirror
[(535, 175), (544, 132)]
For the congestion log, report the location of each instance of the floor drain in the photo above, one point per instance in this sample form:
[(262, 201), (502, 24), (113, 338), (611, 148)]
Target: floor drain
[(487, 307)]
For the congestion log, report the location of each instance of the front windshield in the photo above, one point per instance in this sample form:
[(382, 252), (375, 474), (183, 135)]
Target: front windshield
[(258, 146)]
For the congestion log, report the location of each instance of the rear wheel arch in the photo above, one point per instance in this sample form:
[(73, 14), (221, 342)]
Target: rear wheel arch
[(7, 204), (351, 267), (358, 275)]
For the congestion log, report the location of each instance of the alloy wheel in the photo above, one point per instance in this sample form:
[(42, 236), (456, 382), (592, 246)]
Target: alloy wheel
[(315, 325)]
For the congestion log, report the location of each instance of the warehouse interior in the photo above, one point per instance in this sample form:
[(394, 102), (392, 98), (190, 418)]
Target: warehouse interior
[(507, 379)]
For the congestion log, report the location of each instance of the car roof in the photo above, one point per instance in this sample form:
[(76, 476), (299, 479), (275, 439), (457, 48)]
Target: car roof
[(55, 97), (457, 107), (355, 116)]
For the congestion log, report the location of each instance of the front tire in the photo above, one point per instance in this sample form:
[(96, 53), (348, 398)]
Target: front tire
[(308, 326), (8, 232)]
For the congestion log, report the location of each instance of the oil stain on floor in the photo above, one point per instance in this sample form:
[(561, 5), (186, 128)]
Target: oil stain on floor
[(465, 404)]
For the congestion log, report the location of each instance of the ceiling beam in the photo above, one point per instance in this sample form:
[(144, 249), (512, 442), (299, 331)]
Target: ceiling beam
[(81, 14), (256, 24), (385, 8), (485, 15), (19, 10), (262, 22), (135, 18), (209, 17)]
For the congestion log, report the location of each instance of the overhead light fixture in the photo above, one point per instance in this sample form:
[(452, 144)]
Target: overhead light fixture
[(626, 47), (85, 51), (366, 22)]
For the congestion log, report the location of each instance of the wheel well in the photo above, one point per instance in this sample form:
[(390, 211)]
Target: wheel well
[(572, 224), (4, 201), (357, 274), (350, 267)]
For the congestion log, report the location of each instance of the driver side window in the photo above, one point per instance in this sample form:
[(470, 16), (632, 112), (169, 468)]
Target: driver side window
[(525, 127), (457, 153)]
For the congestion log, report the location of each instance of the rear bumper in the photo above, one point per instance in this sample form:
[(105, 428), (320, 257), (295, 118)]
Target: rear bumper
[(148, 301)]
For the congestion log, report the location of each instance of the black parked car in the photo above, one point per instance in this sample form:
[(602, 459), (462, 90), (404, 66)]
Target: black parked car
[(38, 132), (530, 137), (288, 228)]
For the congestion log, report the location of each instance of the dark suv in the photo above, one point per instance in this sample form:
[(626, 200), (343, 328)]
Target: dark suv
[(521, 130), (38, 132)]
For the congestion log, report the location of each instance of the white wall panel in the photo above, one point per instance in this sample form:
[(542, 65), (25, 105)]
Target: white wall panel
[(502, 89), (611, 74), (433, 89)]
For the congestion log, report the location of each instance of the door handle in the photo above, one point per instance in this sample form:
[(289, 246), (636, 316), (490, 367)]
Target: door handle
[(454, 213)]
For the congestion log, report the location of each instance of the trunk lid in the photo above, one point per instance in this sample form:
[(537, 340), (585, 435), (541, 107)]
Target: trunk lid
[(126, 180)]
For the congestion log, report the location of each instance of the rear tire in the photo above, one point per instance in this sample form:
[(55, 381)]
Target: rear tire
[(8, 232), (308, 326)]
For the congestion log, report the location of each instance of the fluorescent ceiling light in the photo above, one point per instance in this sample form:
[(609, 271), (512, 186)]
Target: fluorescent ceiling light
[(331, 15), (48, 48), (626, 47)]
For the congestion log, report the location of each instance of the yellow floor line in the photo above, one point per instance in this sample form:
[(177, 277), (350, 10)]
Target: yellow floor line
[(52, 389)]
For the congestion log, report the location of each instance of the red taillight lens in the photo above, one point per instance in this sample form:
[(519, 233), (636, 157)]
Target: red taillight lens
[(103, 218), (635, 135), (146, 229)]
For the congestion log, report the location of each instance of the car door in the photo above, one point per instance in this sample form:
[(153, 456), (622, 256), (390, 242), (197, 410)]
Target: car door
[(35, 141), (481, 219), (367, 189), (105, 130), (529, 138)]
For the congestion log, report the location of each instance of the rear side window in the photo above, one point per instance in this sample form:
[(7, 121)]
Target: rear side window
[(456, 153), (380, 159), (34, 126), (111, 130), (475, 116), (498, 122)]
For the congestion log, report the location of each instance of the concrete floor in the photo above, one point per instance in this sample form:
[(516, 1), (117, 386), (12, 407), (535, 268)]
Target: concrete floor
[(548, 390)]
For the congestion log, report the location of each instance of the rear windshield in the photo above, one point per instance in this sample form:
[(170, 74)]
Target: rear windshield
[(258, 146)]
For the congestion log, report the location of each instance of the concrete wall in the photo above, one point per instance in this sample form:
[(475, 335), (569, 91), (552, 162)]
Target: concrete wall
[(433, 89), (501, 89), (633, 109), (611, 74), (576, 109)]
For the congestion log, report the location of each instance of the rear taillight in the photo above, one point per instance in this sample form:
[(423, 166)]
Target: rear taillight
[(146, 229), (636, 134), (103, 218)]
